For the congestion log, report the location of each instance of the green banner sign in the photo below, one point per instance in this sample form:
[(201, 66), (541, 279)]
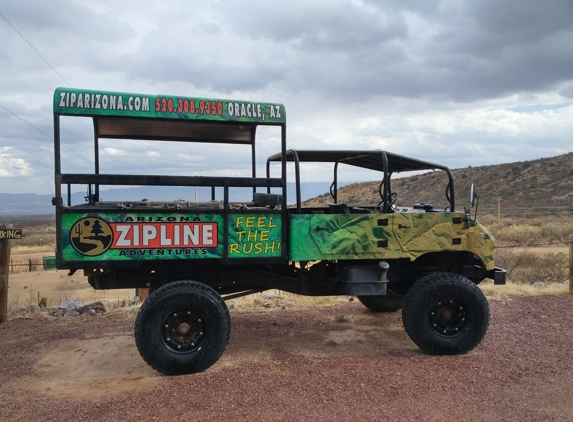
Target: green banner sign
[(100, 103), (148, 236)]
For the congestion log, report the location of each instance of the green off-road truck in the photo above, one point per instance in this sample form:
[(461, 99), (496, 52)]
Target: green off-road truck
[(195, 255)]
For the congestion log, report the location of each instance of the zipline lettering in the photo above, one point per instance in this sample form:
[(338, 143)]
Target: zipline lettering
[(175, 235)]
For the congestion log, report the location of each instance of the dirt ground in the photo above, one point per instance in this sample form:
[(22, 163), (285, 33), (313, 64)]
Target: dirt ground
[(539, 249), (57, 286), (295, 364)]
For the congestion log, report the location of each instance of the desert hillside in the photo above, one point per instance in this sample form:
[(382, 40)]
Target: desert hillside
[(527, 185)]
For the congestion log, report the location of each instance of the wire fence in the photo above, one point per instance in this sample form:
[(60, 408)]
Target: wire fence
[(47, 263), (533, 246)]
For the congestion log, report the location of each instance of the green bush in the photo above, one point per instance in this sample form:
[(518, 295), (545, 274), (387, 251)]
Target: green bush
[(527, 267)]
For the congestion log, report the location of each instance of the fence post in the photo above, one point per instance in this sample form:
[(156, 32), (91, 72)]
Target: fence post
[(571, 264), (4, 272), (143, 293)]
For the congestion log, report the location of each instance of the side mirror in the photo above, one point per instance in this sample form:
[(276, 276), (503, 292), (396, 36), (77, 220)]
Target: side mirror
[(473, 195)]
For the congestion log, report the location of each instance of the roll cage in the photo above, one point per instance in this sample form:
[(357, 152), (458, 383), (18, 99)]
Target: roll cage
[(382, 161)]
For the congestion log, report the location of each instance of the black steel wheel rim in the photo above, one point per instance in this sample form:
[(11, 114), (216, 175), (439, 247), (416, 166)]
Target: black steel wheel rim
[(183, 331), (448, 317)]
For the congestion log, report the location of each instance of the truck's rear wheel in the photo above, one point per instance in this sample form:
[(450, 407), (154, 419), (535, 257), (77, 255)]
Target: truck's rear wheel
[(445, 314), (183, 327), (391, 302)]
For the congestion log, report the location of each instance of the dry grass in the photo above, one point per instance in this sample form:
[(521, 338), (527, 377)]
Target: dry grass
[(28, 288), (521, 231), (518, 289), (21, 249)]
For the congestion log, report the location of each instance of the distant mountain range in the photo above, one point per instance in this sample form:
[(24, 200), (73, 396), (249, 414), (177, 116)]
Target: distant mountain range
[(31, 204)]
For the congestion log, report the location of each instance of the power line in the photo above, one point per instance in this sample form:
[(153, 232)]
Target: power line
[(532, 213), (527, 207), (44, 133), (28, 123), (64, 79), (18, 32), (71, 150), (140, 153)]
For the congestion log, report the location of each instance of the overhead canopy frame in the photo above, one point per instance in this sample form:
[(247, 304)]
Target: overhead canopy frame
[(377, 160), (119, 115)]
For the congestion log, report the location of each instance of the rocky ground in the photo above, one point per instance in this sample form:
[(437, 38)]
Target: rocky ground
[(295, 365)]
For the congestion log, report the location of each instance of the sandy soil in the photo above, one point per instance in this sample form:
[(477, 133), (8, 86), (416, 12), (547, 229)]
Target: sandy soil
[(295, 364), (58, 286)]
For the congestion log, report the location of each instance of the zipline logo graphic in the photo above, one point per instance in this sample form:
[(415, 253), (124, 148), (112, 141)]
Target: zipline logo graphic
[(91, 236)]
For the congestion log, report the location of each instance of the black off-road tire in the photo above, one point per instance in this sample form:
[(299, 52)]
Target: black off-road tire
[(182, 328), (391, 302), (445, 314)]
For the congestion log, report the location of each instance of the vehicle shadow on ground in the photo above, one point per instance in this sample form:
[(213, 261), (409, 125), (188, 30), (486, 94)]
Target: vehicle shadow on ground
[(346, 329)]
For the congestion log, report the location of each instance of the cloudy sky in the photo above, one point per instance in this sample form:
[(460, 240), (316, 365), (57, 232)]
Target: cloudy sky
[(459, 82)]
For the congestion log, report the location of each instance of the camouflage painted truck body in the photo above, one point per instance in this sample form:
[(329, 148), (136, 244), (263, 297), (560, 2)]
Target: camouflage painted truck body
[(121, 239), (387, 236), (204, 252)]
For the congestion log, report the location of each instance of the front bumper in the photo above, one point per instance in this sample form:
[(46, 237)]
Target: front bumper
[(498, 275), (477, 273)]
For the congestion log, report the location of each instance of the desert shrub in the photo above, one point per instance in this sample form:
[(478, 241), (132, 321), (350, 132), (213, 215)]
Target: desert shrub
[(522, 231), (525, 234), (527, 267), (558, 228), (553, 231)]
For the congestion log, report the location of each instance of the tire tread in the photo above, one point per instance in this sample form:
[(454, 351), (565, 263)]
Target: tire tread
[(155, 297), (413, 314)]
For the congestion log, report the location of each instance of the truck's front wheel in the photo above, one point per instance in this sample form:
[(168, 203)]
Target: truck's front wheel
[(183, 327), (445, 314)]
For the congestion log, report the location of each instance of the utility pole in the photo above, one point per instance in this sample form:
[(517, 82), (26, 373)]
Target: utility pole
[(499, 212), (6, 233), (571, 264), (4, 272)]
